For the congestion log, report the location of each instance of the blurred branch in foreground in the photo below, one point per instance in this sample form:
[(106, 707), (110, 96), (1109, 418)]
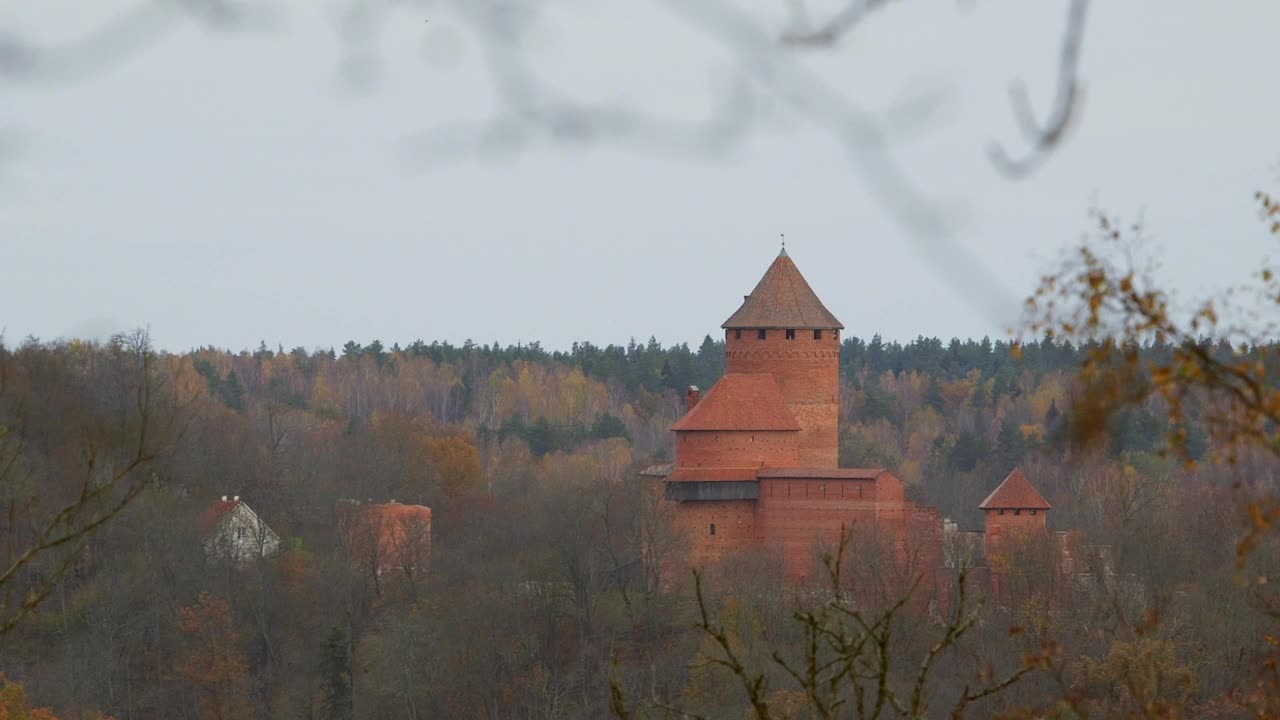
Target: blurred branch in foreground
[(764, 70), (828, 33), (68, 468), (766, 65), (116, 40), (1045, 137)]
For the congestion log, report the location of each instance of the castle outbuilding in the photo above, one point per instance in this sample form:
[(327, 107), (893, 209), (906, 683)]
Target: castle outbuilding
[(1014, 508)]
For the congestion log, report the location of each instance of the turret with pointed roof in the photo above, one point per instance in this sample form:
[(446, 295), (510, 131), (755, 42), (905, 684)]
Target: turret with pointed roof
[(1014, 507), (1015, 493), (783, 299)]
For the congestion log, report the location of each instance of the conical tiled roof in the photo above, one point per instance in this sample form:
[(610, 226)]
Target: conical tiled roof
[(782, 299), (1015, 493), (741, 401)]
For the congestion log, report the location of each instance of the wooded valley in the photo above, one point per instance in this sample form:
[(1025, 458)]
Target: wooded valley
[(541, 600)]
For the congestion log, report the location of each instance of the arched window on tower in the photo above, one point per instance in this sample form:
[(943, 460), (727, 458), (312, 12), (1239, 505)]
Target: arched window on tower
[(817, 334), (760, 333), (791, 334)]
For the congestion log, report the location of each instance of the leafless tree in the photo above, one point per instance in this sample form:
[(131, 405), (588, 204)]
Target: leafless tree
[(410, 545), (848, 663), (53, 506)]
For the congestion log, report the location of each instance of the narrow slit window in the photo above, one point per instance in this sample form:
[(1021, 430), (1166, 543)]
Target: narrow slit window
[(713, 528), (791, 334), (817, 334), (760, 333)]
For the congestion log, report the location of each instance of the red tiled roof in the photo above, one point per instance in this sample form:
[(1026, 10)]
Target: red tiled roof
[(782, 299), (740, 401), (384, 512), (210, 518), (821, 473), (398, 527), (1015, 493)]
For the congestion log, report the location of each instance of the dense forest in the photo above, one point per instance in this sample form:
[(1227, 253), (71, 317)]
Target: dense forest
[(538, 603)]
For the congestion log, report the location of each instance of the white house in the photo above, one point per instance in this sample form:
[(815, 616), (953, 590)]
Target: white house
[(231, 530)]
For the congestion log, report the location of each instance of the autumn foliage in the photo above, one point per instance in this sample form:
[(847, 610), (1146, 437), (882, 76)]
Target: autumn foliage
[(211, 663), (542, 595)]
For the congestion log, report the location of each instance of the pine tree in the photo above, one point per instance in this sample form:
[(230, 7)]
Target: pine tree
[(933, 396), (542, 437), (969, 450), (979, 398), (609, 426), (210, 374), (233, 392), (1010, 446), (1052, 416)]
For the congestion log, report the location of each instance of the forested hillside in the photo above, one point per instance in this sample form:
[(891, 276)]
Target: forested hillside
[(538, 593)]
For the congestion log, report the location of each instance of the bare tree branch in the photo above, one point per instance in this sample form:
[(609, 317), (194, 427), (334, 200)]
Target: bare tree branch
[(126, 35), (99, 499), (803, 34), (1044, 137)]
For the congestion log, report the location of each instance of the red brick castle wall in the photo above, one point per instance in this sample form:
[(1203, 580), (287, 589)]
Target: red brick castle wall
[(808, 374)]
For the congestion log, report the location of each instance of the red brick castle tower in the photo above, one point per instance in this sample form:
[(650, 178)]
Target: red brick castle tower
[(757, 457), (783, 330)]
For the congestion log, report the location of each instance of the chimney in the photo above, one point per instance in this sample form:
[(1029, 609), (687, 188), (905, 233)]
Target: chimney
[(224, 498), (691, 397)]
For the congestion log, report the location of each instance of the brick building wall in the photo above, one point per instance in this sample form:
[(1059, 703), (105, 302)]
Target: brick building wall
[(798, 516), (1005, 523), (801, 515), (737, 449), (807, 370), (716, 528)]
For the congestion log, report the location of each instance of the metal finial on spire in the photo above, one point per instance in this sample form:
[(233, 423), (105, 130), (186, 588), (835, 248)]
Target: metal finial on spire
[(784, 243)]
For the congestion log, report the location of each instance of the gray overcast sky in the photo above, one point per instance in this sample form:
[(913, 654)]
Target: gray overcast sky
[(228, 187)]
